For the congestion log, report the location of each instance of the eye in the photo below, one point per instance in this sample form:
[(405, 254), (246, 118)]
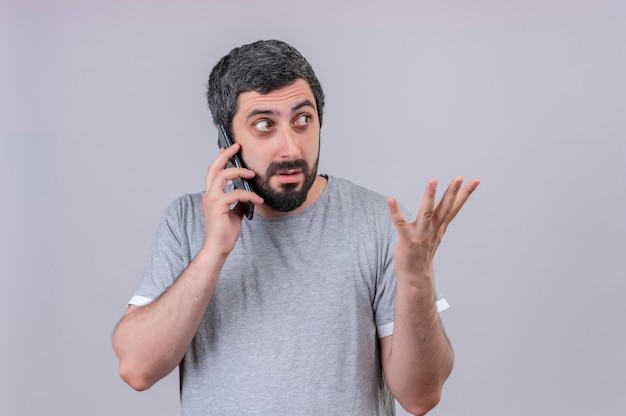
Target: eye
[(303, 120), (263, 125)]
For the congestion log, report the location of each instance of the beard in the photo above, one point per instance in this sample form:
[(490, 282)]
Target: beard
[(288, 197)]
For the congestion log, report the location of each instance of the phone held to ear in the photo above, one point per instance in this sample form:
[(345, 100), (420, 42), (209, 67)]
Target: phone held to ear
[(224, 141)]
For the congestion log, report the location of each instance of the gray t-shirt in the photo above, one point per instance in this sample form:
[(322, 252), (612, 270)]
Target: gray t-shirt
[(292, 325)]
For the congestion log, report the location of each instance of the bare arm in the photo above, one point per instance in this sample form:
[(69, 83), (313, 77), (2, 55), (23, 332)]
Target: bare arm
[(150, 341), (417, 358)]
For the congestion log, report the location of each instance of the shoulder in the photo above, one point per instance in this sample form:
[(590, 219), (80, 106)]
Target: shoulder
[(366, 207), (362, 205), (184, 207), (343, 190), (340, 186)]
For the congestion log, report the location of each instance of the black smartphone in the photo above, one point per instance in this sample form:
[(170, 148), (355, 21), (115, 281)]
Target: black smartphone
[(224, 141)]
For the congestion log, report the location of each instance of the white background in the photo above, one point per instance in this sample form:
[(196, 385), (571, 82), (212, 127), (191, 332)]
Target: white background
[(103, 122)]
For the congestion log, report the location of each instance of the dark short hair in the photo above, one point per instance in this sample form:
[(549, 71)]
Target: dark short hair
[(262, 66)]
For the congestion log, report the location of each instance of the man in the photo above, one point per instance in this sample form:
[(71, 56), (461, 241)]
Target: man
[(309, 306)]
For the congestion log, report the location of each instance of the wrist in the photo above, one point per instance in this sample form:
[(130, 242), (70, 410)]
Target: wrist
[(415, 270), (210, 259), (416, 282)]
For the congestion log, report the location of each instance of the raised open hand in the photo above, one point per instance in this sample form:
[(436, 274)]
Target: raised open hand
[(418, 240)]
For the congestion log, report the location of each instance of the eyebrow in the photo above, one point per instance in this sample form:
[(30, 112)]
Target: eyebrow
[(256, 112), (305, 103)]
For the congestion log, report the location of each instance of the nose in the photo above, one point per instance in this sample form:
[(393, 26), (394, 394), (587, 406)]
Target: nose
[(288, 146)]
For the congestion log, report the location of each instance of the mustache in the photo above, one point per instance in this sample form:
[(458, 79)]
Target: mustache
[(299, 164)]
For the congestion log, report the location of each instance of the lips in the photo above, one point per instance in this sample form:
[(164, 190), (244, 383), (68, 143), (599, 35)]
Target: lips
[(289, 176), (289, 172)]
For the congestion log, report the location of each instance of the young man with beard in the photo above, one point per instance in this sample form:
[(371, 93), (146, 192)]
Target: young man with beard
[(318, 304)]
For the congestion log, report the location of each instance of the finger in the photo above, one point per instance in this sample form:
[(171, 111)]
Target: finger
[(233, 173), (463, 196), (222, 203), (398, 219), (239, 195), (216, 190), (427, 207), (219, 163), (444, 209)]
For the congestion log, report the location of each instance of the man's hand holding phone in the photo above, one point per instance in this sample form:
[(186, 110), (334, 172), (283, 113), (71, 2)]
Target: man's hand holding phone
[(223, 224), (223, 141)]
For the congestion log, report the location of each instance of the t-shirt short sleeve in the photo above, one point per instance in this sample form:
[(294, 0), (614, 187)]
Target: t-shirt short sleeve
[(170, 253), (384, 301)]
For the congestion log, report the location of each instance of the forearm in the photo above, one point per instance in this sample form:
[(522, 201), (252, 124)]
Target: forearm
[(417, 358), (420, 358), (150, 341)]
